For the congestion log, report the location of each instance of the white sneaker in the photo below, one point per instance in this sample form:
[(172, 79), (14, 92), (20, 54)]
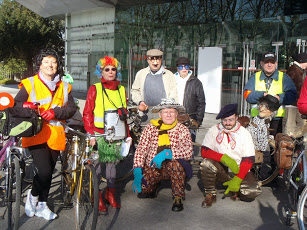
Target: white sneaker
[(42, 210), (30, 204)]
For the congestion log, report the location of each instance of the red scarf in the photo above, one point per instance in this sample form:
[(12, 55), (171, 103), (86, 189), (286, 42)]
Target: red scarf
[(113, 85)]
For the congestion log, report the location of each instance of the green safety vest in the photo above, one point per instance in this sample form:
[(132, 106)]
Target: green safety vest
[(103, 104), (276, 88)]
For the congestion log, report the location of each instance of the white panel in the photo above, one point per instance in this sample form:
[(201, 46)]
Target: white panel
[(210, 74), (47, 8), (89, 32)]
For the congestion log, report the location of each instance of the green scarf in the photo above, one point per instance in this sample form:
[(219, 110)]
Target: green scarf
[(164, 142)]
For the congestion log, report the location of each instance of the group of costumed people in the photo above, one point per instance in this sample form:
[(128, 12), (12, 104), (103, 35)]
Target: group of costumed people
[(165, 147)]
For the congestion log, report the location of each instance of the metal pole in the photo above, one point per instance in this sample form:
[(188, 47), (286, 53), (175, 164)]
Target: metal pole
[(129, 72), (66, 38), (242, 83), (246, 74), (195, 50), (276, 52), (303, 45)]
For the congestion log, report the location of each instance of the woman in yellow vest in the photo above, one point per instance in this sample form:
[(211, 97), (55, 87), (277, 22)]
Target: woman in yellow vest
[(103, 99), (50, 96)]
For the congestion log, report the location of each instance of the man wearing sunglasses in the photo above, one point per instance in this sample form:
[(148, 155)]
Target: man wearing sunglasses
[(190, 93), (154, 82)]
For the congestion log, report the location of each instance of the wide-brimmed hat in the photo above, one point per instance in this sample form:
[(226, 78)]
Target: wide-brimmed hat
[(271, 101), (300, 58), (168, 103)]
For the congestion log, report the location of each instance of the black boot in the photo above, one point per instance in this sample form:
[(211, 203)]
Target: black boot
[(178, 204)]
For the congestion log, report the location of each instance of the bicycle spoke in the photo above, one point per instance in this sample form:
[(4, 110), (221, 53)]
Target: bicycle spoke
[(14, 194), (86, 207)]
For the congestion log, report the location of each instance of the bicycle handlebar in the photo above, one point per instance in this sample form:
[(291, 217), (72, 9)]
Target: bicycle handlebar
[(109, 132)]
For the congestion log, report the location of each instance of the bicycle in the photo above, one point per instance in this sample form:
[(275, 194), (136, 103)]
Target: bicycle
[(11, 158), (302, 189), (79, 177)]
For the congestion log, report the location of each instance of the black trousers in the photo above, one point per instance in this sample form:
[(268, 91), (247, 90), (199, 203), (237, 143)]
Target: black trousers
[(276, 126), (44, 160)]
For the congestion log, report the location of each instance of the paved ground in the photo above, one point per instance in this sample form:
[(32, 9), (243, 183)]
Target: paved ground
[(266, 212)]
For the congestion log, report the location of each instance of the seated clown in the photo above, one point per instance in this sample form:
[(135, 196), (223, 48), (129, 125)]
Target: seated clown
[(163, 152), (229, 154)]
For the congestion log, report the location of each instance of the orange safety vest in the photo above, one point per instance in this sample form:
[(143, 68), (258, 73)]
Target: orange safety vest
[(53, 132)]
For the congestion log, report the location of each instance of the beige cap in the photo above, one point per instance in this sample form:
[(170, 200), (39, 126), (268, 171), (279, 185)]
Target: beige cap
[(154, 52)]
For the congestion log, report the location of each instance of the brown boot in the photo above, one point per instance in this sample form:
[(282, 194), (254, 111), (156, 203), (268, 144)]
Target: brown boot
[(102, 207), (235, 196), (209, 200), (110, 192)]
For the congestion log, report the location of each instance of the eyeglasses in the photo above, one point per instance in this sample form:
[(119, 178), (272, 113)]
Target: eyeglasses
[(108, 69), (153, 58), (180, 67), (261, 105)]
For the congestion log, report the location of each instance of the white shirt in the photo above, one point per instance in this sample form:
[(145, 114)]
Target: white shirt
[(244, 144), (181, 82)]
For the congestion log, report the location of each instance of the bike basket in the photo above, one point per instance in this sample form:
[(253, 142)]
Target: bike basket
[(20, 122)]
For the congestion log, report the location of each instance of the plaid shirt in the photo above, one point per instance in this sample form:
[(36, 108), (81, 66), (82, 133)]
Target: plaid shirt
[(180, 141)]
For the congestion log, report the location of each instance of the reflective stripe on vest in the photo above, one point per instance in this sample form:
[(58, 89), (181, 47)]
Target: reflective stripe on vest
[(53, 132), (104, 103), (276, 88)]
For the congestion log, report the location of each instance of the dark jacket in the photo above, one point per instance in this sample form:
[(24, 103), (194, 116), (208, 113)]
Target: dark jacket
[(296, 74), (194, 99)]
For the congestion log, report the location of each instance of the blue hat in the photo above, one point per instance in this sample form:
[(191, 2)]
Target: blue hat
[(227, 111)]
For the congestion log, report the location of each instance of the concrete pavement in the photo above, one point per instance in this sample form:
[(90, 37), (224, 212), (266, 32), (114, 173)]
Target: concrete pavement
[(266, 212)]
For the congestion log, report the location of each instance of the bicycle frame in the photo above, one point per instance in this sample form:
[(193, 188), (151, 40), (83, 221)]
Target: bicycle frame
[(81, 158), (303, 156)]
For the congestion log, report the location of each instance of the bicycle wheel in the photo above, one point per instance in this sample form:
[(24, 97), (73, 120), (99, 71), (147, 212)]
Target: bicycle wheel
[(86, 206), (297, 176), (302, 210), (14, 193), (273, 171), (66, 175)]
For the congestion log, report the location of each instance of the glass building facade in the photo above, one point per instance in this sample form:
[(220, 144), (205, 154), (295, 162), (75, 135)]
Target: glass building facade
[(245, 29)]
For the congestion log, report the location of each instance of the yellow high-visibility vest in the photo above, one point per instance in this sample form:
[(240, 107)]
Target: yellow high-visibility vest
[(275, 88), (102, 103), (52, 132)]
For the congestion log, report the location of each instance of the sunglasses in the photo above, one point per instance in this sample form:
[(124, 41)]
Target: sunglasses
[(180, 67), (158, 58), (108, 69)]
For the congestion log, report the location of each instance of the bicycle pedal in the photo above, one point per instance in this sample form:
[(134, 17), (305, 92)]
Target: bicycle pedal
[(291, 214), (62, 204)]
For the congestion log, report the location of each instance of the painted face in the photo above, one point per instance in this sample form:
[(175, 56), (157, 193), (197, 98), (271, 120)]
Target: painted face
[(109, 72), (230, 122), (49, 67), (168, 116), (268, 67), (264, 110), (154, 63)]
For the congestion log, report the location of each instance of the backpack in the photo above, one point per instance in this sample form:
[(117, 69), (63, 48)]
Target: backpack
[(20, 122)]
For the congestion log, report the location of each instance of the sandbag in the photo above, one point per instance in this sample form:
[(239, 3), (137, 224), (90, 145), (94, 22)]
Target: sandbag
[(284, 146)]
